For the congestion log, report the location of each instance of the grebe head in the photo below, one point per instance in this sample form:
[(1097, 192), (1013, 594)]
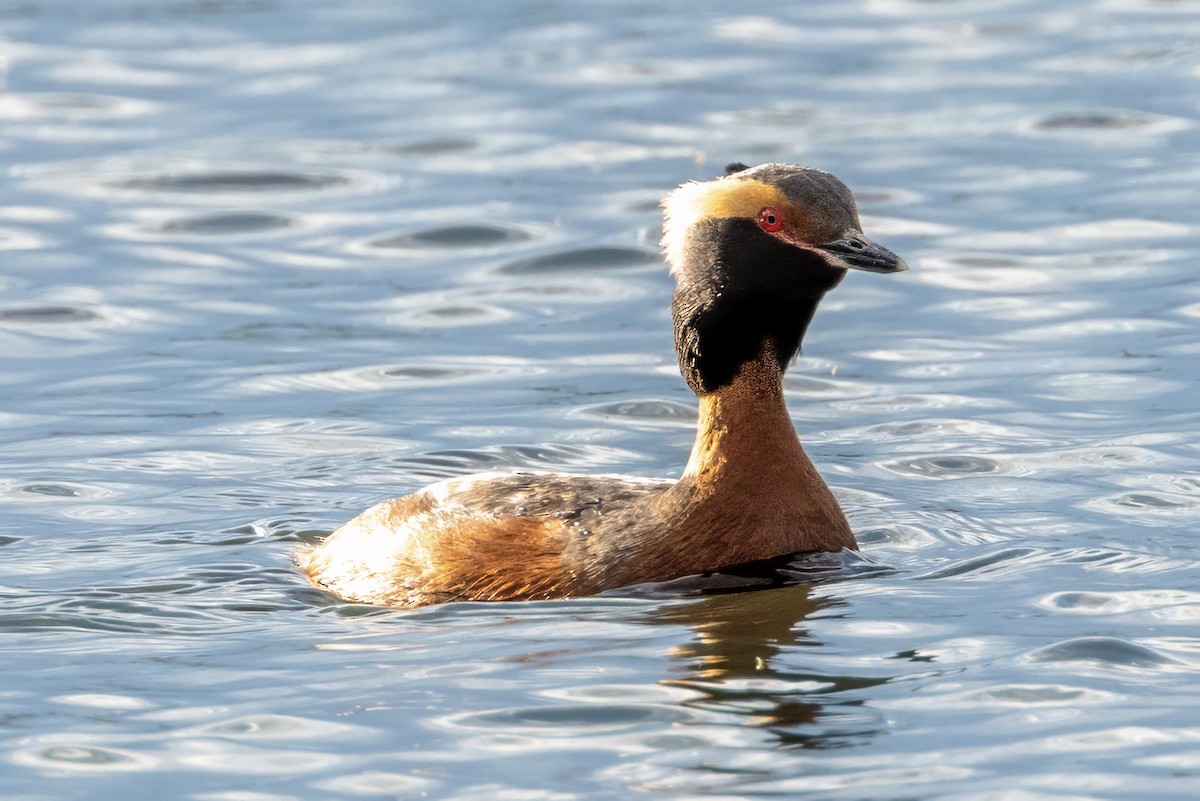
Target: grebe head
[(753, 253)]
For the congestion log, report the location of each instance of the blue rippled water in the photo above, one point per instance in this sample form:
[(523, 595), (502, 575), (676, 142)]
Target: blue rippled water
[(265, 263)]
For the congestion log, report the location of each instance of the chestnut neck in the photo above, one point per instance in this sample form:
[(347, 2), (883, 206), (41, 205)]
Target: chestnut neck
[(748, 492), (744, 426)]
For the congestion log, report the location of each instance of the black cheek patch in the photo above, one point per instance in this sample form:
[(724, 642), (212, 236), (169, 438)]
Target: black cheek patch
[(713, 347), (740, 288)]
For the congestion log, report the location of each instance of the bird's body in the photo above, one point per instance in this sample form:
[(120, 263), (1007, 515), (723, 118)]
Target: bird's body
[(749, 280)]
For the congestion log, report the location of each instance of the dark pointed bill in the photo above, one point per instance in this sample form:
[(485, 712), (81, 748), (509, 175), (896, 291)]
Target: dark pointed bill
[(860, 253)]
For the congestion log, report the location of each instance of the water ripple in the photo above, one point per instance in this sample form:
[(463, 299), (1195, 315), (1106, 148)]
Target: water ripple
[(1112, 652), (47, 315), (455, 236), (573, 719), (72, 107), (248, 181), (83, 759), (443, 371), (19, 239), (987, 563), (1109, 122), (582, 260), (647, 413), (227, 224), (946, 466), (1177, 604)]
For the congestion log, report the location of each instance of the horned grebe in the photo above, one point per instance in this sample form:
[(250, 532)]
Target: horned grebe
[(752, 253)]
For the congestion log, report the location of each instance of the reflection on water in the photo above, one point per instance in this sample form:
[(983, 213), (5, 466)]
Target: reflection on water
[(743, 659), (267, 263)]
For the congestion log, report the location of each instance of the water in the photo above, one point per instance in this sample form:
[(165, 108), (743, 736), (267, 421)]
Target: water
[(268, 262)]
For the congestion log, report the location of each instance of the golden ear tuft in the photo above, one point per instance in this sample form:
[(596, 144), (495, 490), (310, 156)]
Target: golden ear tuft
[(722, 199)]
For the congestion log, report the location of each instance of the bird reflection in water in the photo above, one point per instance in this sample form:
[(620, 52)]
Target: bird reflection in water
[(749, 658)]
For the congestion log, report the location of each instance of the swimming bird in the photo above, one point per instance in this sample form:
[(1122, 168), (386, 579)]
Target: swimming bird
[(752, 253)]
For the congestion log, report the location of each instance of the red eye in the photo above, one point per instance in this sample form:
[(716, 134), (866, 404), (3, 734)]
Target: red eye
[(770, 220)]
